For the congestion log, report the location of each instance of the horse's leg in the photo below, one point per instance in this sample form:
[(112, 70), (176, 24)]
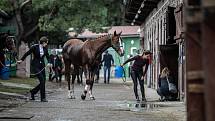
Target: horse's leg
[(81, 75), (74, 73), (83, 96), (67, 75), (91, 86), (78, 75)]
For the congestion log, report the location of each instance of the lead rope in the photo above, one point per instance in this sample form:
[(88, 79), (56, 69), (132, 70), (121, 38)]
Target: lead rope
[(123, 77), (32, 74)]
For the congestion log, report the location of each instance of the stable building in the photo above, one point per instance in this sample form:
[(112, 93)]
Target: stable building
[(161, 23)]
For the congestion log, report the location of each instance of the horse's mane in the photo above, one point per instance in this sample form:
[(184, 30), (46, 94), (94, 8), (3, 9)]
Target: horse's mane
[(99, 37)]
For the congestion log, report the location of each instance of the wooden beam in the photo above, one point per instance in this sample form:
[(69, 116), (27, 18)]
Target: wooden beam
[(208, 43), (194, 65)]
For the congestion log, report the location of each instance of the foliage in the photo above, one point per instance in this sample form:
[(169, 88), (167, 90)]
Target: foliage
[(5, 5), (57, 16), (78, 14)]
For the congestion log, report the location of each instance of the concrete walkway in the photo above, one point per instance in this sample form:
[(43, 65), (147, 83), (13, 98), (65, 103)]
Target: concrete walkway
[(114, 102), (9, 84)]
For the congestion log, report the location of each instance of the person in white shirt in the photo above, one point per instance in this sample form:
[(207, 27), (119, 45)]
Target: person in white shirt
[(39, 51)]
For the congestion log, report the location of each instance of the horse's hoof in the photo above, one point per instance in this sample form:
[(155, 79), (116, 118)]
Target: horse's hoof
[(72, 97), (92, 98), (83, 97)]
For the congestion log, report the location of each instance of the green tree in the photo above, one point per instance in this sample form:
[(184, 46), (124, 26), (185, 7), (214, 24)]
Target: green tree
[(57, 16), (79, 14)]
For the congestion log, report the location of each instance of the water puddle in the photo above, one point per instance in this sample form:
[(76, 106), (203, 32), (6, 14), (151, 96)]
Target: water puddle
[(130, 105), (143, 105), (15, 116), (62, 120), (134, 106), (40, 100)]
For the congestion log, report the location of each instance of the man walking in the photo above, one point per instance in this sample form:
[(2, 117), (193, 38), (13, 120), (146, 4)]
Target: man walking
[(107, 59), (39, 51)]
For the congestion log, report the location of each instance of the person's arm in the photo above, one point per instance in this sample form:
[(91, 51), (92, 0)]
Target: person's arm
[(27, 53), (112, 60), (47, 56), (145, 68), (130, 59)]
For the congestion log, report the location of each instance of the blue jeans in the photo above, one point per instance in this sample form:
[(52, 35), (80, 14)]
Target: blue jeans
[(106, 71)]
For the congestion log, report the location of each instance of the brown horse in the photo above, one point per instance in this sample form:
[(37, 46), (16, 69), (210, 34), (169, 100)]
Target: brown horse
[(7, 44), (84, 54)]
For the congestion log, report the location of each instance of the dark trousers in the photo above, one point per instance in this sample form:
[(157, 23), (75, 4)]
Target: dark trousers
[(166, 94), (136, 76), (50, 74), (129, 71), (60, 75), (106, 74), (97, 75), (41, 86), (163, 92), (56, 74)]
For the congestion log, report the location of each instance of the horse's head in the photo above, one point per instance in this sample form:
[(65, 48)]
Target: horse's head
[(116, 43)]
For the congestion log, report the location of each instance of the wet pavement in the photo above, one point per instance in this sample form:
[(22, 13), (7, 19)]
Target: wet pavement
[(114, 102), (16, 85)]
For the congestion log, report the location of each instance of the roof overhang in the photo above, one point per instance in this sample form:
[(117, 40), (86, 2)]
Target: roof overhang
[(137, 10)]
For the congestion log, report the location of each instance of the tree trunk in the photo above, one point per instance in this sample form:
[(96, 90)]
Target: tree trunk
[(16, 7)]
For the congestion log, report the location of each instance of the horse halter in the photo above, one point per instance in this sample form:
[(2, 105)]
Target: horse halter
[(113, 45)]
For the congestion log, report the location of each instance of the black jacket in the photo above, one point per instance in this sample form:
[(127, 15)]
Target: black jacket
[(37, 60), (107, 59)]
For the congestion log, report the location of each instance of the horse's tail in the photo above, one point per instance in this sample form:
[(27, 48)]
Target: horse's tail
[(64, 49), (65, 46)]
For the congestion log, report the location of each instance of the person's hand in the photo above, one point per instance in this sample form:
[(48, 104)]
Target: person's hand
[(59, 68), (49, 65), (122, 65), (142, 78), (63, 70), (19, 61)]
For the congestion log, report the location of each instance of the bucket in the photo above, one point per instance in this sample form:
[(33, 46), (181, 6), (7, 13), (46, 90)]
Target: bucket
[(118, 71), (5, 73)]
